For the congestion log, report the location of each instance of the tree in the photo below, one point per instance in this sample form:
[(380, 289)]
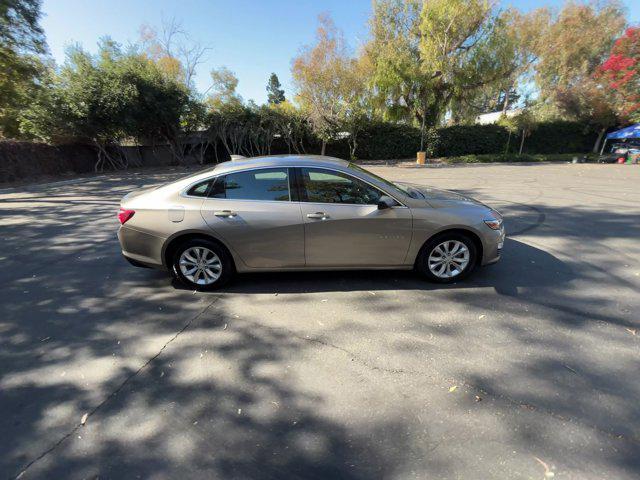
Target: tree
[(589, 103), (173, 50), (223, 88), (21, 44), (619, 73), (107, 98), (325, 85), (292, 125), (527, 34), (523, 122), (576, 43), (426, 53), (275, 94)]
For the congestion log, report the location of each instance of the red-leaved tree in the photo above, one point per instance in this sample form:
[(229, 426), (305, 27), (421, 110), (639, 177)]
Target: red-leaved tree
[(621, 73)]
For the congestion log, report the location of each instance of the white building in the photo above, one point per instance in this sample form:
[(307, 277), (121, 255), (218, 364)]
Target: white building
[(493, 117)]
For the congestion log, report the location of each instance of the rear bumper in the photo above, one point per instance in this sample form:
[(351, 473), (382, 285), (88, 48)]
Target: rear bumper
[(140, 246)]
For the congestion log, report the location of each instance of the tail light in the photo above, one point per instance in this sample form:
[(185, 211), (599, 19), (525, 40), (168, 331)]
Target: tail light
[(125, 215)]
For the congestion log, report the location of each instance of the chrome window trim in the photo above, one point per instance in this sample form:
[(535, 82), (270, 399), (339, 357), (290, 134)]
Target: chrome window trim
[(184, 191)]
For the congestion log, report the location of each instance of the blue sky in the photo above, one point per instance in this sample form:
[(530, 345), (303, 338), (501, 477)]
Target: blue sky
[(251, 37)]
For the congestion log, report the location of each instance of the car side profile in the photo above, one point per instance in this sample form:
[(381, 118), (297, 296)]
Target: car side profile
[(299, 212)]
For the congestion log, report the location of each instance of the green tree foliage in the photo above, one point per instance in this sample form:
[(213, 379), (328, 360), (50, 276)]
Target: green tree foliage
[(275, 94), (426, 53), (576, 43), (223, 89), (21, 44), (330, 86), (109, 98)]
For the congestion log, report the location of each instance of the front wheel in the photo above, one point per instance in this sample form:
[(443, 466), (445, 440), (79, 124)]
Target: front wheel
[(202, 265), (447, 258)]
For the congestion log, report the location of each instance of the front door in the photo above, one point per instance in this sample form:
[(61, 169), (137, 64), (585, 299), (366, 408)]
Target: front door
[(253, 213), (343, 225)]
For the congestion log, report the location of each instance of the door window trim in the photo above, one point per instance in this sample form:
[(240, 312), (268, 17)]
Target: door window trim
[(300, 185), (295, 185), (213, 178)]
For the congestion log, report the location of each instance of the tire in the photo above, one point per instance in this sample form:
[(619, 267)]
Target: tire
[(220, 265), (431, 252)]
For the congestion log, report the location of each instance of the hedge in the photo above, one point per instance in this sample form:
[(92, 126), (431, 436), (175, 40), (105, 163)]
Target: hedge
[(385, 141), (377, 141)]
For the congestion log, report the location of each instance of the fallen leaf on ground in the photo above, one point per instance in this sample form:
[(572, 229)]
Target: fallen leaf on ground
[(372, 293), (632, 331), (478, 398), (453, 389), (481, 317), (547, 471), (83, 420)]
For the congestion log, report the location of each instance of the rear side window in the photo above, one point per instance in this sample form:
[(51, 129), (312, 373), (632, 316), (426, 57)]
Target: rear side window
[(271, 184), (200, 189)]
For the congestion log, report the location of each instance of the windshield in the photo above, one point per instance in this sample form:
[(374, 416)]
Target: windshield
[(412, 192)]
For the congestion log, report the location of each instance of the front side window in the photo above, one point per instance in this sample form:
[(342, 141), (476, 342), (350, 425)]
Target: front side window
[(266, 184), (329, 186)]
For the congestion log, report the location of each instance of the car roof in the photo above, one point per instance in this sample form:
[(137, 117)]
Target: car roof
[(260, 162), (279, 161)]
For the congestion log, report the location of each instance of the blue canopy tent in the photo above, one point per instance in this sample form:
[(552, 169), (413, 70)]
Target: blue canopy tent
[(628, 132)]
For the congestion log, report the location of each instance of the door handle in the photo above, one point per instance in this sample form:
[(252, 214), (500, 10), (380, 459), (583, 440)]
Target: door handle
[(224, 213), (320, 215)]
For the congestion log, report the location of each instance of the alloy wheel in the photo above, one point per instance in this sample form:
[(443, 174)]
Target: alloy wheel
[(448, 259), (200, 265)]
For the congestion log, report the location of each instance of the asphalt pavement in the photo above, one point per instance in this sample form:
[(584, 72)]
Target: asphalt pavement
[(530, 369)]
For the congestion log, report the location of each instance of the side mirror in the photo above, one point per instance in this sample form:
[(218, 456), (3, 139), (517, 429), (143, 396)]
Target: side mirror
[(386, 202)]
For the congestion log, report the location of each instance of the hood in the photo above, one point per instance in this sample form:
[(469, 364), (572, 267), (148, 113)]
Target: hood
[(441, 198)]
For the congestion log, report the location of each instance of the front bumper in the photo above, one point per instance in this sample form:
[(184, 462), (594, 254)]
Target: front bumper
[(493, 245)]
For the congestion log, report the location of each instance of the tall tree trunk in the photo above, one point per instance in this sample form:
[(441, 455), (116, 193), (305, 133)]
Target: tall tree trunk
[(599, 139), (522, 142), (324, 147), (505, 105), (424, 114), (506, 149)]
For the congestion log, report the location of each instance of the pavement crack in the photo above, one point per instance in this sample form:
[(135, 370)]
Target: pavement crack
[(128, 379)]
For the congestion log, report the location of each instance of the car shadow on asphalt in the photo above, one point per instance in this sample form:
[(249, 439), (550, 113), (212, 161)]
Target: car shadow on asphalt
[(522, 265)]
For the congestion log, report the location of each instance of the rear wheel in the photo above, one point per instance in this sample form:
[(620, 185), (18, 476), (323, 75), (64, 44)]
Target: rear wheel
[(202, 264), (447, 258)]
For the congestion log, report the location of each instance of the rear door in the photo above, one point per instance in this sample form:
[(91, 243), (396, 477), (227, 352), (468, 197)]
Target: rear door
[(254, 213), (343, 225)]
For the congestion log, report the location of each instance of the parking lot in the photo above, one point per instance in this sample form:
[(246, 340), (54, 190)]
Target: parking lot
[(530, 369)]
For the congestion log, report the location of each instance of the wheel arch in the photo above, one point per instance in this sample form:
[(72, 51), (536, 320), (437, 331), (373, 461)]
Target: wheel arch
[(175, 241)]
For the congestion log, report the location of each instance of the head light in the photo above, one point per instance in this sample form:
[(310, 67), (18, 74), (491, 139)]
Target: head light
[(493, 223)]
